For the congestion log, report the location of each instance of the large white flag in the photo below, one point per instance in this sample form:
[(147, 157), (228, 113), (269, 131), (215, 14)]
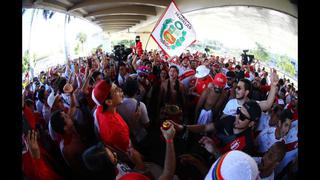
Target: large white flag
[(174, 32)]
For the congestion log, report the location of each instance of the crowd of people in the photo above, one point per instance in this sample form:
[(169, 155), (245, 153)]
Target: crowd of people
[(99, 117)]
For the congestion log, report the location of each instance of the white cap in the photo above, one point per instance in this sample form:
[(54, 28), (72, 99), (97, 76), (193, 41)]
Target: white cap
[(234, 165), (202, 71), (51, 99)]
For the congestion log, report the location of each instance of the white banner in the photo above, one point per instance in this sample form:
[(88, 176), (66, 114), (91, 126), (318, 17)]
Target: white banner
[(174, 32)]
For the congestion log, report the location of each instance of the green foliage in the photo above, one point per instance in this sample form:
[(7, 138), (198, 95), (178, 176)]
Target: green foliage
[(25, 62), (81, 37), (126, 43), (261, 53), (77, 49), (284, 63)]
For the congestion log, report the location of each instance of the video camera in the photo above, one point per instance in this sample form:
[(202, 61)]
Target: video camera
[(120, 52), (247, 59)]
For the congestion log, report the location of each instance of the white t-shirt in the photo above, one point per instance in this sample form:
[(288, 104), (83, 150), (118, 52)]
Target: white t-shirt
[(291, 137), (271, 177), (231, 107), (263, 122), (266, 139), (127, 109)]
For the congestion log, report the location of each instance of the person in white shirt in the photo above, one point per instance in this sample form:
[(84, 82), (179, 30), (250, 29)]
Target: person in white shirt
[(270, 118), (270, 160), (243, 90), (274, 134), (129, 109)]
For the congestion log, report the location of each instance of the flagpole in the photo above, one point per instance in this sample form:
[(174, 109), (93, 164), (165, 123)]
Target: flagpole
[(145, 49)]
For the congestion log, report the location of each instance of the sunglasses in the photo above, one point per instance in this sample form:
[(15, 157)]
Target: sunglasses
[(242, 117)]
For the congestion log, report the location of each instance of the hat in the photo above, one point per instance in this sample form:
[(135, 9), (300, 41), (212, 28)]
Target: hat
[(220, 80), (202, 71), (133, 176), (253, 109), (51, 99), (101, 92), (234, 165)]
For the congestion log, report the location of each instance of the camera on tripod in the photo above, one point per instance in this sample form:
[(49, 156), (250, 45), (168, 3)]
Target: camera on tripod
[(247, 59)]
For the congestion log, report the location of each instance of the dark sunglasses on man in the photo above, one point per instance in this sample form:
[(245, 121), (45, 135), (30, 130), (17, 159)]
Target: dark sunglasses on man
[(242, 117)]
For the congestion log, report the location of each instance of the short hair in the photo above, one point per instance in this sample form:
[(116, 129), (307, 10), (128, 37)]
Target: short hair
[(280, 150), (131, 87), (94, 75), (98, 163), (57, 122), (247, 84), (263, 81), (226, 65), (281, 82), (238, 67), (61, 82), (256, 74), (174, 66), (285, 114)]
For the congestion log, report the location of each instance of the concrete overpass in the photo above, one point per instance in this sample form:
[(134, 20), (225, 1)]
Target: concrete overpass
[(139, 13)]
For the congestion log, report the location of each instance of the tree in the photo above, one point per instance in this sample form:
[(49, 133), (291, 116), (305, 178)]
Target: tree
[(25, 62), (261, 53), (284, 63), (82, 38)]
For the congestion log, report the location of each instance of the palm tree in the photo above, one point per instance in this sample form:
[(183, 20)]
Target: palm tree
[(82, 38)]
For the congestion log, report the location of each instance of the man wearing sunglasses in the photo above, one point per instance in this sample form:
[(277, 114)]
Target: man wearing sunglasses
[(232, 132), (243, 92), (211, 100)]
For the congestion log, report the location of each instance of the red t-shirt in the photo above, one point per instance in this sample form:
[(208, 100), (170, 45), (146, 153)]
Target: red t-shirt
[(114, 130)]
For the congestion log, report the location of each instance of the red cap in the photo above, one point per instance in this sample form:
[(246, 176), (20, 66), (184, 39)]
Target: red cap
[(220, 80), (134, 176), (101, 92)]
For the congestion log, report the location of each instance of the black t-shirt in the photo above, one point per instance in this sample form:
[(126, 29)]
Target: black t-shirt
[(230, 141)]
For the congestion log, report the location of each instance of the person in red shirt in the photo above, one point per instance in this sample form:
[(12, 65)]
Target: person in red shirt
[(111, 127)]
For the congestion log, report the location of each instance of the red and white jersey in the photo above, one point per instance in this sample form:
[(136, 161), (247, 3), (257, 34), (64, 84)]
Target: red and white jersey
[(186, 77), (266, 139)]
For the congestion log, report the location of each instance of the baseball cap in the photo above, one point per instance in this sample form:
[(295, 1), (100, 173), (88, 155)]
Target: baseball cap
[(101, 92), (234, 165), (253, 109), (220, 80), (202, 71)]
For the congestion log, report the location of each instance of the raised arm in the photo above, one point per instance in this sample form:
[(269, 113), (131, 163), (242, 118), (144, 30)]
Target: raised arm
[(267, 104), (194, 128), (170, 158)]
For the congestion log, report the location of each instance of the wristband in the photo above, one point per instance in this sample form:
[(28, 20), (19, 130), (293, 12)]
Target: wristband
[(169, 140)]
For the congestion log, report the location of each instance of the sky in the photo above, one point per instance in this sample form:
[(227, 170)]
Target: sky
[(47, 36)]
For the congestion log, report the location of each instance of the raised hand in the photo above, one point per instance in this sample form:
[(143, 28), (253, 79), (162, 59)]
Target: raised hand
[(177, 126), (169, 133), (274, 78), (33, 144)]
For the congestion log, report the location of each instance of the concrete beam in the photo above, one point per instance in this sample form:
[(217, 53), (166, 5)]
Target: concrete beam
[(121, 17), (114, 20), (126, 10), (129, 23), (155, 3)]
